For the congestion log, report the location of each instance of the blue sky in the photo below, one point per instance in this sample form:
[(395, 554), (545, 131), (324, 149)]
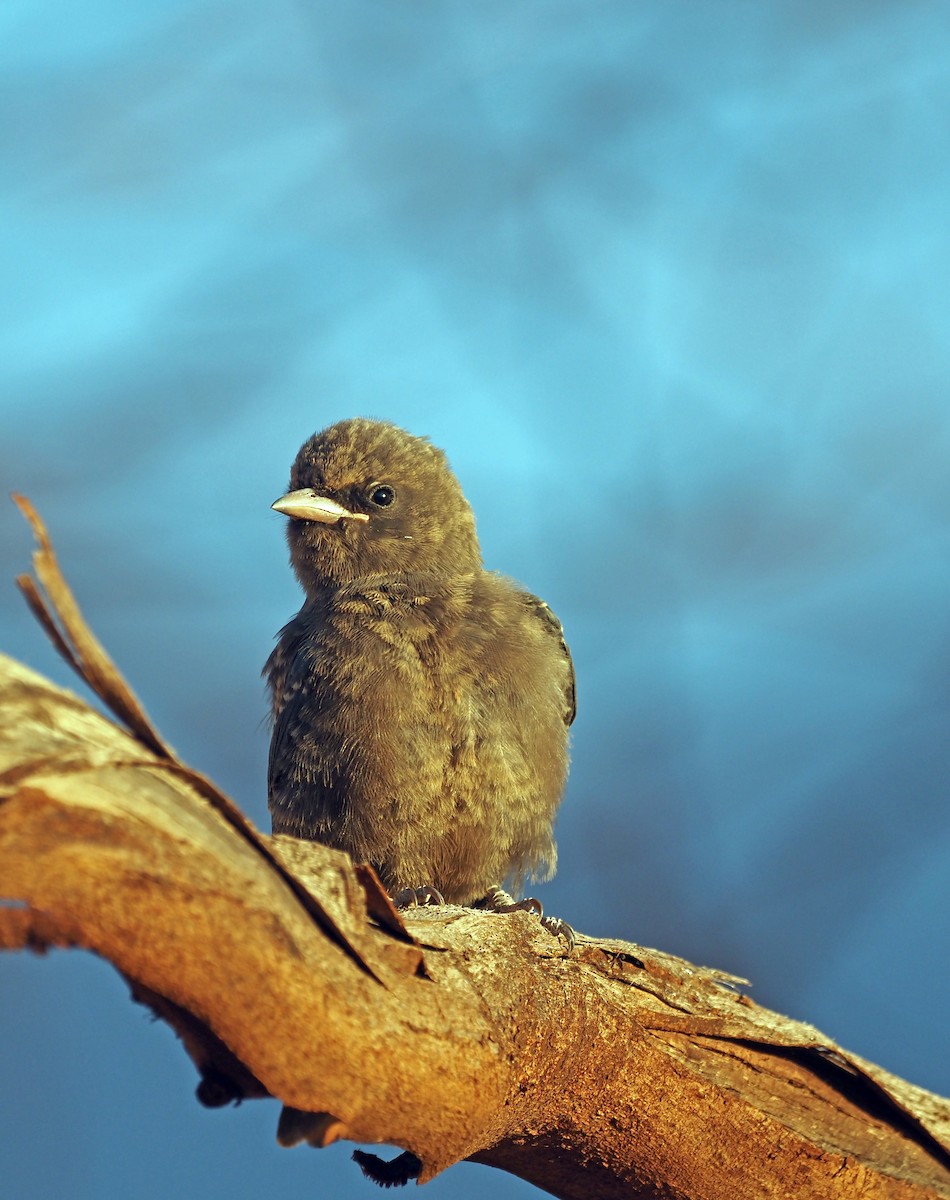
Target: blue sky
[(670, 283)]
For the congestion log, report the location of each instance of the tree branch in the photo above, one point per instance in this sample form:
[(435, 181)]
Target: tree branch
[(613, 1071)]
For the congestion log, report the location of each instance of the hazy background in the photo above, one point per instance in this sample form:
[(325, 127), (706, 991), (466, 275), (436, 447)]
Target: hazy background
[(670, 282)]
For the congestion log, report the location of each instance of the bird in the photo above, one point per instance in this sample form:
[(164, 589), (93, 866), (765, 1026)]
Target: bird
[(421, 703)]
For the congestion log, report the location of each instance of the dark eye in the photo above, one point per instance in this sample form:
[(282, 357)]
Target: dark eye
[(382, 495)]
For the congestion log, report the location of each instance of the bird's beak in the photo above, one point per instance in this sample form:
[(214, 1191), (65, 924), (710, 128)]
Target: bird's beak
[(306, 505)]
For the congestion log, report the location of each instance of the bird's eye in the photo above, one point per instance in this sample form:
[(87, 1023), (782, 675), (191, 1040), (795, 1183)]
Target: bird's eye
[(382, 495)]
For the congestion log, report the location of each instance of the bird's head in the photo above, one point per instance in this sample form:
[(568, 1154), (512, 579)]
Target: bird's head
[(366, 498)]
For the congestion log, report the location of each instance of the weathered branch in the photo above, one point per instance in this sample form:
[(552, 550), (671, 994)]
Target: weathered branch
[(612, 1071)]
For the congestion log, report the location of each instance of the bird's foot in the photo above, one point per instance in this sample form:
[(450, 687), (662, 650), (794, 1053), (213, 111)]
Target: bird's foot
[(395, 1173), (560, 929), (418, 897), (499, 901)]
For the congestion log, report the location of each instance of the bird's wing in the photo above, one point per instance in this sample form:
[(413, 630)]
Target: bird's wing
[(275, 673), (554, 627), (288, 675)]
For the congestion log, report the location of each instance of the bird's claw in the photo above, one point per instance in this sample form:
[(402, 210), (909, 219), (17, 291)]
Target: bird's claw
[(396, 1172), (418, 897), (530, 904), (499, 901), (560, 929)]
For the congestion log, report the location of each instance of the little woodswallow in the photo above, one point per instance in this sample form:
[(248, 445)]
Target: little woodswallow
[(421, 704)]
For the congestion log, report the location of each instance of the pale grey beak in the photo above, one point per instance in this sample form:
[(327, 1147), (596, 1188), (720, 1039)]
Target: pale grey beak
[(306, 505)]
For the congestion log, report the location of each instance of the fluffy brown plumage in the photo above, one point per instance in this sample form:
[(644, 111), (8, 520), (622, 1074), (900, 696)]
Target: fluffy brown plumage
[(421, 703)]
